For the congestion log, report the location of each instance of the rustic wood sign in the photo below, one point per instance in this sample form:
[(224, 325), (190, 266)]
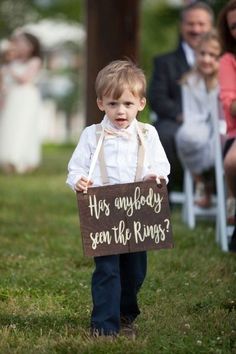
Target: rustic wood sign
[(125, 218)]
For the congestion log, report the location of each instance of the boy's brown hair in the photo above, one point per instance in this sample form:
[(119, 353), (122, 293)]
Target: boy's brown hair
[(119, 75)]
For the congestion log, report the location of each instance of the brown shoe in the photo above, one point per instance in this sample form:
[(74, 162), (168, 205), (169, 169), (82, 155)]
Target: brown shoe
[(98, 334), (203, 195), (127, 329), (205, 202)]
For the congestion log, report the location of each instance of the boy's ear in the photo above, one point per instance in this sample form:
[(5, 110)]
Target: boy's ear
[(100, 104), (143, 102)]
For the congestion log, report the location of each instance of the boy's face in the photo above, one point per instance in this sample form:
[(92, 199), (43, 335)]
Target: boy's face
[(122, 111)]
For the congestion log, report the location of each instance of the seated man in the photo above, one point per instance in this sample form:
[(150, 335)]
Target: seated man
[(164, 91)]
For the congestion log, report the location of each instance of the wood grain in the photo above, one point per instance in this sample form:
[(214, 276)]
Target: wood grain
[(110, 226)]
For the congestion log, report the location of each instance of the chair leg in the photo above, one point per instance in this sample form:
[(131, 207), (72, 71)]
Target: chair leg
[(221, 227), (188, 208)]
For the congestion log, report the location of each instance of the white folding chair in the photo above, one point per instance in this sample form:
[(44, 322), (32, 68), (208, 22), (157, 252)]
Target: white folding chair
[(218, 211)]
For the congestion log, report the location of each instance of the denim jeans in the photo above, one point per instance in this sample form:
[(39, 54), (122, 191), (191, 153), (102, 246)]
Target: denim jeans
[(115, 285)]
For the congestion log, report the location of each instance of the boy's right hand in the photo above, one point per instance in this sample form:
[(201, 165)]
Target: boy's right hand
[(82, 184), (153, 177)]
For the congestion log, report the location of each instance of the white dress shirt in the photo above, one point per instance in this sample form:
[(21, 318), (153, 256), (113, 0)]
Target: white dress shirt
[(120, 153)]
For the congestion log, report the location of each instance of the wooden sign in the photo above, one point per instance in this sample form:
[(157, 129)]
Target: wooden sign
[(125, 218)]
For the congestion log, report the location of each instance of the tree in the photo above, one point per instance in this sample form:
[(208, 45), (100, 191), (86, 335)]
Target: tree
[(17, 13)]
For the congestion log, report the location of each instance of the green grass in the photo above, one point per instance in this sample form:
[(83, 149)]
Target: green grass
[(188, 300)]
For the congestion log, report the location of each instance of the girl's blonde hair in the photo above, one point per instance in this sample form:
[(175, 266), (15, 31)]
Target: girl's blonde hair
[(114, 78), (205, 38)]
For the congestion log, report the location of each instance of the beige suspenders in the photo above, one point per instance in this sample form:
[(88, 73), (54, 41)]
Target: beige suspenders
[(101, 159), (99, 153), (141, 151)]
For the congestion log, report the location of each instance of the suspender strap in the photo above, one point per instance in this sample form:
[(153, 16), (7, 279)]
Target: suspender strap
[(141, 154), (95, 156), (101, 159)]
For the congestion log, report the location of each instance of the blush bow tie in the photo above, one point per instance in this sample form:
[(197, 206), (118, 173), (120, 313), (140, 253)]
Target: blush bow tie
[(113, 133)]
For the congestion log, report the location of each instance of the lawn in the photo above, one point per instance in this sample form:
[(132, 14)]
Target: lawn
[(188, 300)]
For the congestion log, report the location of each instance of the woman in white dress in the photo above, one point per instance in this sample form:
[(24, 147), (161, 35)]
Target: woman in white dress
[(20, 146)]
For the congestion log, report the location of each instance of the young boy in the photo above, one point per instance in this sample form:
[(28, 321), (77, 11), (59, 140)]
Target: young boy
[(120, 89)]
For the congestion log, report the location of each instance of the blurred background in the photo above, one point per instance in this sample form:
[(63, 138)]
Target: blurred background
[(60, 26)]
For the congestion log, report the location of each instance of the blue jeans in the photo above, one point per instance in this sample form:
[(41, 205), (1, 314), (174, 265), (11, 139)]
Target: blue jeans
[(115, 285)]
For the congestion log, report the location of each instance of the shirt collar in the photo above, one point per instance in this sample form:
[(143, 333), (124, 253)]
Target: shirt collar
[(189, 53), (106, 123)]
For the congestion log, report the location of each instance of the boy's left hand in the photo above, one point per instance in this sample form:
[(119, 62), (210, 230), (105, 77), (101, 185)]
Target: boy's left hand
[(153, 177)]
